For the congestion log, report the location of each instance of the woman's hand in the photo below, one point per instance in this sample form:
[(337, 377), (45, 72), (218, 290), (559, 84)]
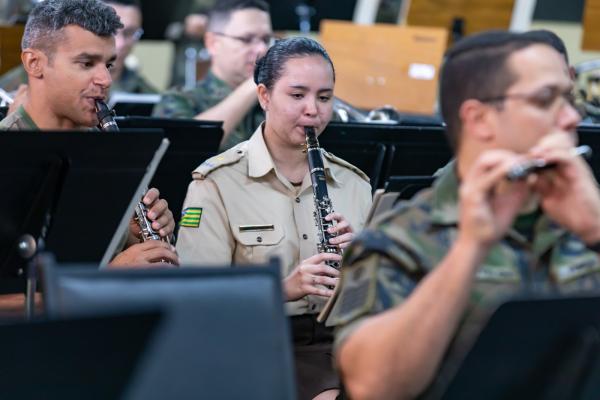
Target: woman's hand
[(312, 276)]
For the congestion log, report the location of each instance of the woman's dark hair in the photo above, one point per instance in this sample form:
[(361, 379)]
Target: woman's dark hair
[(268, 68)]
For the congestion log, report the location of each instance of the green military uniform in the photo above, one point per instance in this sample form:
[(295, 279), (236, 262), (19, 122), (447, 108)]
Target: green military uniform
[(130, 81), (207, 93), (11, 80), (18, 121), (385, 263)]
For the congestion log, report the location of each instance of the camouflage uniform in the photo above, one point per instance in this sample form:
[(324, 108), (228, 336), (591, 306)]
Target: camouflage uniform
[(18, 121), (208, 92), (385, 263), (130, 81)]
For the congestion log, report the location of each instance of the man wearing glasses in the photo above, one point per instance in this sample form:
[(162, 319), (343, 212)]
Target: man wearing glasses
[(124, 79), (238, 33), (418, 285)]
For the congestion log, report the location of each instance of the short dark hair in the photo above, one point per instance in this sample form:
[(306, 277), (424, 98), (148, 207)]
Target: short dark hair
[(131, 3), (551, 39), (48, 18), (220, 14), (268, 68), (475, 68)]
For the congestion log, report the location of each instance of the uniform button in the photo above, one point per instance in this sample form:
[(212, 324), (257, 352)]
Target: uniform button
[(313, 306), (297, 199), (305, 236), (259, 239)]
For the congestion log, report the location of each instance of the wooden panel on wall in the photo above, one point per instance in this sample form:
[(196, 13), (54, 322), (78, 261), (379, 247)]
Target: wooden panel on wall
[(385, 64), (478, 15), (591, 27), (10, 46)]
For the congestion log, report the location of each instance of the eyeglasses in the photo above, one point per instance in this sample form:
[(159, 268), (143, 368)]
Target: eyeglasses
[(131, 34), (543, 98), (267, 40)]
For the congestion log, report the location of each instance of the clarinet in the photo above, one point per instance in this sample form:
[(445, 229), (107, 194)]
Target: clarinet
[(106, 122), (323, 206)]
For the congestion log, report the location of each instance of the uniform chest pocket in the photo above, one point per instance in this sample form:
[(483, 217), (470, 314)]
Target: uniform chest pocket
[(257, 242)]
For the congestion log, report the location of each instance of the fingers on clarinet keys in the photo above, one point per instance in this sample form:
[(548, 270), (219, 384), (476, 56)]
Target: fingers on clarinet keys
[(523, 170)]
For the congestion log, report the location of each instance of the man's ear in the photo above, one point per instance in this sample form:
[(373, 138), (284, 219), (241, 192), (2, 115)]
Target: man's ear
[(263, 96), (477, 119), (34, 61)]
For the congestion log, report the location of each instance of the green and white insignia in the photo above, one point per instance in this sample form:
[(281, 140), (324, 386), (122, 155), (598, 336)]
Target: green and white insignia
[(190, 217)]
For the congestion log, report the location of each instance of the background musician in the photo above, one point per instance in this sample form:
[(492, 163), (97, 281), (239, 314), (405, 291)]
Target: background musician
[(68, 53), (125, 79), (238, 33), (255, 201)]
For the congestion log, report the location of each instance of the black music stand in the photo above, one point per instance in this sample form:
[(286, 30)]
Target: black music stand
[(65, 192), (367, 156), (75, 358), (542, 349), (410, 150), (192, 142), (126, 104)]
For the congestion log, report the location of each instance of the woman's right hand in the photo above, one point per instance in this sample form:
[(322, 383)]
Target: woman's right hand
[(312, 276)]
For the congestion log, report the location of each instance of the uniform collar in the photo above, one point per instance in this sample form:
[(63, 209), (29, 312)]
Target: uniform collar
[(445, 196), (260, 162)]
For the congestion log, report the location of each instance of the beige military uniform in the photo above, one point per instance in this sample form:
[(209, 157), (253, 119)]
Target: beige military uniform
[(249, 212)]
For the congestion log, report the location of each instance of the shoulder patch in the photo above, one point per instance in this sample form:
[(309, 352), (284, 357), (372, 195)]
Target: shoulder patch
[(346, 164), (358, 285), (190, 217), (228, 157)]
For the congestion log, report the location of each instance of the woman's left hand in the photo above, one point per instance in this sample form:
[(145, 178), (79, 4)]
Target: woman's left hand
[(342, 229)]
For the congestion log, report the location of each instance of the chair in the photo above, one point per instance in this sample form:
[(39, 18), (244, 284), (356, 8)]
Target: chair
[(417, 158), (224, 333), (407, 186), (368, 157)]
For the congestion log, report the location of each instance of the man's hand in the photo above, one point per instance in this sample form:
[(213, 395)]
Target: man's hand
[(158, 213), (569, 193), (489, 202), (153, 253), (312, 276), (342, 229)]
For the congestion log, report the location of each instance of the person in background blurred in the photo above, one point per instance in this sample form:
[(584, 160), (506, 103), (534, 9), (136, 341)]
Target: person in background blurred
[(238, 33)]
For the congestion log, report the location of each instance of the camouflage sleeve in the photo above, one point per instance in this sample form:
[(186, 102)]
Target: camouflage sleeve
[(174, 104), (378, 274)]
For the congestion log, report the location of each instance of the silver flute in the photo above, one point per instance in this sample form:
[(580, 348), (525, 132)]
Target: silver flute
[(523, 170)]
